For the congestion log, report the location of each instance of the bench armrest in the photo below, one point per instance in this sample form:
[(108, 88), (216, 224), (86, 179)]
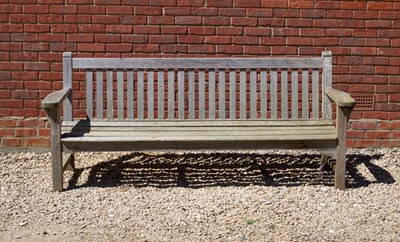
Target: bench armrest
[(342, 99), (54, 99)]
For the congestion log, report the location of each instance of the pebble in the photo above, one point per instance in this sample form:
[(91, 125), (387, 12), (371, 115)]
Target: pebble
[(137, 196)]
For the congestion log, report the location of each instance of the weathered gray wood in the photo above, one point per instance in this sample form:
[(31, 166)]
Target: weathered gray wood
[(234, 63), (304, 94), (67, 160), (341, 98), (274, 94), (89, 93), (326, 82), (56, 152), (191, 94), (263, 94), (242, 93), (161, 92), (54, 99), (120, 94), (211, 93), (202, 94), (181, 94), (284, 93), (110, 97), (295, 94), (130, 94), (171, 94), (150, 94), (232, 94), (67, 83), (315, 93), (221, 94), (99, 93), (140, 94), (340, 167), (253, 93)]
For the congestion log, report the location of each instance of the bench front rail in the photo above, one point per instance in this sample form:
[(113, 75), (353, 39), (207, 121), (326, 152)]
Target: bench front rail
[(199, 104)]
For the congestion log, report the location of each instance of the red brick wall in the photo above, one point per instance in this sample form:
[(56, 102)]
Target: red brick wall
[(363, 36)]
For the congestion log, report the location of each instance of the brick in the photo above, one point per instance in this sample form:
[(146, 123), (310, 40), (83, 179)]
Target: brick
[(11, 103), (339, 14), (187, 39), (387, 70), (390, 143), (339, 32), (11, 142), (390, 125), (188, 20), (177, 11), (380, 6), (256, 50), (312, 32), (325, 23), (364, 51), (247, 3), (285, 32), (245, 40), (271, 22), (387, 88), (92, 9), (91, 47), (63, 47), (314, 14), (6, 132), (102, 19), (192, 3), (147, 10), (201, 49), (327, 41), (375, 115), (201, 30), (365, 124), (230, 31), (301, 4), (389, 107), (257, 31), (229, 49), (162, 39), (278, 50), (205, 11), (172, 48), (327, 5), (63, 9), (219, 3), (271, 41), (119, 10), (174, 29), (259, 12), (24, 56), (233, 12), (274, 4), (119, 29), (217, 40), (356, 5), (216, 21), (25, 37), (286, 13), (135, 20), (355, 134), (53, 18), (366, 15), (146, 48), (300, 41), (25, 132), (52, 37), (298, 22), (11, 28), (119, 48), (363, 70), (367, 143), (310, 50), (163, 20), (24, 18)]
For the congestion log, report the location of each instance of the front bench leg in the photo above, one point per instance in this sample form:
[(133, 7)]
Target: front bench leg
[(56, 149), (342, 116)]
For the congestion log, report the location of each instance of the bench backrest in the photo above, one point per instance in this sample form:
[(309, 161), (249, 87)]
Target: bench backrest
[(203, 88)]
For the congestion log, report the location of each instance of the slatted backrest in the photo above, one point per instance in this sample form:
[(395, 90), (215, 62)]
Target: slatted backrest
[(204, 88)]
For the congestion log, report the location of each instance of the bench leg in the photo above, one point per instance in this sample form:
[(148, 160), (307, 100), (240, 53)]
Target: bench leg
[(340, 168), (56, 149)]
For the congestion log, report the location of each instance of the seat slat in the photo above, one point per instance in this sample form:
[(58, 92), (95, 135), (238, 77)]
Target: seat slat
[(221, 94), (211, 94), (181, 94), (274, 94), (130, 94), (160, 91), (315, 93), (263, 94), (140, 94), (242, 93), (191, 94), (232, 94), (284, 93), (89, 93), (304, 96), (253, 93), (202, 94), (295, 94), (120, 94), (171, 94), (150, 94)]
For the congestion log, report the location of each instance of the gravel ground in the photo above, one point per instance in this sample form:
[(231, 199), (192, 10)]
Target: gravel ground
[(270, 196)]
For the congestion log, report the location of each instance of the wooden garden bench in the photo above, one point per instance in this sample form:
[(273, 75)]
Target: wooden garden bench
[(135, 104)]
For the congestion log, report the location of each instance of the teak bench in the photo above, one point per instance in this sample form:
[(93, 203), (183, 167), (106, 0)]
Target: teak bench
[(135, 104)]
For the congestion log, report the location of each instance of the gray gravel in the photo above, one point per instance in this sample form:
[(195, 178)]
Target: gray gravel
[(273, 196)]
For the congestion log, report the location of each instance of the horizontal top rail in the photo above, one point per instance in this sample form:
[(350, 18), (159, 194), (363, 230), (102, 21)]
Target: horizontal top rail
[(126, 63)]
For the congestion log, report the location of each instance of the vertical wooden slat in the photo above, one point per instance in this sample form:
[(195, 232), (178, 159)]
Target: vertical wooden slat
[(304, 94), (89, 93), (284, 93), (181, 94), (315, 93), (191, 94), (67, 82), (150, 94), (295, 94), (110, 94), (326, 82), (243, 101), (274, 94), (140, 94), (120, 93), (221, 93), (160, 90), (130, 94), (171, 93), (202, 101), (99, 93), (253, 93), (263, 94), (211, 94), (232, 93)]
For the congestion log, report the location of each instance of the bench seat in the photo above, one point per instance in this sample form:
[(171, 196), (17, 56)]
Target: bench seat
[(119, 135)]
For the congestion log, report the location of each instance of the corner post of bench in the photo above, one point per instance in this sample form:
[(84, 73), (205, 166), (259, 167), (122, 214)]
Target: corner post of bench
[(56, 150), (67, 83), (342, 116), (326, 82)]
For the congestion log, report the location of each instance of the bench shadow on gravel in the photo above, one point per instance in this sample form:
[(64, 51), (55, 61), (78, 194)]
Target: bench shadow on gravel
[(223, 169)]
